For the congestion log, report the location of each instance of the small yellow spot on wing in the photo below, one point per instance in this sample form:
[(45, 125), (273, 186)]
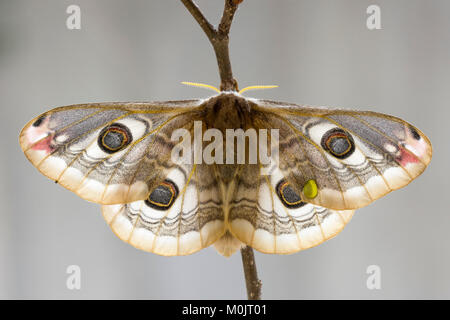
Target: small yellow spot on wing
[(310, 189)]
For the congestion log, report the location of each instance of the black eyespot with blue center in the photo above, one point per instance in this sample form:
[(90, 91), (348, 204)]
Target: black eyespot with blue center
[(338, 143)]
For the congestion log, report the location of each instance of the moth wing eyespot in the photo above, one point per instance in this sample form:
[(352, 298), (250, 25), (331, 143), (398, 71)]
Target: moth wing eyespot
[(114, 138), (163, 196), (287, 195), (338, 143)]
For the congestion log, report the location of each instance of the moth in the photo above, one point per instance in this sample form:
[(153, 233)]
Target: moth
[(330, 163)]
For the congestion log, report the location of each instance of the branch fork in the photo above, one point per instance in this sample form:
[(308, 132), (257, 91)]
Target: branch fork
[(219, 39)]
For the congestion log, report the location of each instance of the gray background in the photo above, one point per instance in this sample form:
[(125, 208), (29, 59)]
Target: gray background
[(319, 52)]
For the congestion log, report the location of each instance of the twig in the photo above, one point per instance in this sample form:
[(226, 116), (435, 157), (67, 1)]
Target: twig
[(251, 276), (227, 17), (219, 39), (202, 21)]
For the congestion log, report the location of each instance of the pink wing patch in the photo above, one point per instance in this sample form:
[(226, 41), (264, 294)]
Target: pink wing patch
[(39, 136), (406, 157), (414, 147)]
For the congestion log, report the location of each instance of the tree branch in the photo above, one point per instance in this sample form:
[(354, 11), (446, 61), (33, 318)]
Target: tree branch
[(200, 18), (227, 16), (220, 39), (251, 276)]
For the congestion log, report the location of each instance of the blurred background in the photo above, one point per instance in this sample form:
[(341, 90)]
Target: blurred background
[(319, 53)]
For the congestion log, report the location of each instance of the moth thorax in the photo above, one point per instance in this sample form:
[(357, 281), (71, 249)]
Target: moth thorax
[(227, 111)]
